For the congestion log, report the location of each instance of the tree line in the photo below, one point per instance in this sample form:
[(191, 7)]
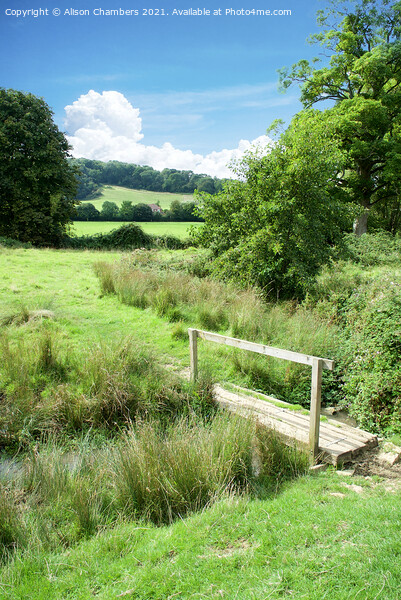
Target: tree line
[(178, 211), (93, 174)]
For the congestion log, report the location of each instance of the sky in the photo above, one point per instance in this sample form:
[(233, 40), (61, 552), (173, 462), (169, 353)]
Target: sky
[(178, 83)]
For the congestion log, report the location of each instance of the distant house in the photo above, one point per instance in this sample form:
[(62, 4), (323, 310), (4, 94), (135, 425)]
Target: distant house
[(155, 208)]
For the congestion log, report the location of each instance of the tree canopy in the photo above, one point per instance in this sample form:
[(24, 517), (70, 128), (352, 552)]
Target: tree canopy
[(37, 183), (363, 80)]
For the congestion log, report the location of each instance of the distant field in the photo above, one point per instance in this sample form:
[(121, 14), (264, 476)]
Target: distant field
[(179, 230), (116, 194)]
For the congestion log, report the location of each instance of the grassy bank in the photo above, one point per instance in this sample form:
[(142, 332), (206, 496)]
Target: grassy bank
[(352, 316), (319, 538), (174, 291)]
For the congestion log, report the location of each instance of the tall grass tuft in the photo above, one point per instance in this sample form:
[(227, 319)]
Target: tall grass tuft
[(276, 461), (12, 528), (47, 388), (16, 317), (153, 472), (163, 475)]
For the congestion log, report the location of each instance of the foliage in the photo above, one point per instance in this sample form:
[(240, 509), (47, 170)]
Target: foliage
[(276, 228), (371, 351), (37, 183), (86, 212), (10, 243), (127, 211), (109, 211), (175, 230), (363, 78), (182, 211), (87, 188), (142, 212), (124, 238), (380, 248), (363, 299)]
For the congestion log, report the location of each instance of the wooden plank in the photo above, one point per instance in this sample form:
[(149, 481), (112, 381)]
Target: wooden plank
[(359, 435), (281, 418), (304, 359), (193, 353), (314, 417), (298, 421)]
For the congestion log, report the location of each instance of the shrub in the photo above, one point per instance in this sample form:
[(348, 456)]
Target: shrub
[(371, 248), (125, 238), (170, 242), (10, 243), (371, 351)]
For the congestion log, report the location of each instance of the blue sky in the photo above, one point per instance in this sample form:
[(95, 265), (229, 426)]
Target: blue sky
[(201, 83)]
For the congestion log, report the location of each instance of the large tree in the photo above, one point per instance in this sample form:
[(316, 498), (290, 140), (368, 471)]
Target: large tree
[(362, 81), (275, 226), (37, 183)]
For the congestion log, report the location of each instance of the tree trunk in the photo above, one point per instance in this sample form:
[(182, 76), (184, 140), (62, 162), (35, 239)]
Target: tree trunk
[(361, 224)]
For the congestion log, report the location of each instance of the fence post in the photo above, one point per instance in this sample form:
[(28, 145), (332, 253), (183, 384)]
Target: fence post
[(193, 353), (314, 424)]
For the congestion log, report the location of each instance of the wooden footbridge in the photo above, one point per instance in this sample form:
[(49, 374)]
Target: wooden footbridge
[(328, 440)]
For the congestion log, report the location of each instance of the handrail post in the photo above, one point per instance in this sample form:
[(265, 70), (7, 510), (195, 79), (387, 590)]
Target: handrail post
[(314, 424), (193, 353)]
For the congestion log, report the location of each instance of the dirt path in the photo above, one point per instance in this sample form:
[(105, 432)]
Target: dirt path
[(370, 464)]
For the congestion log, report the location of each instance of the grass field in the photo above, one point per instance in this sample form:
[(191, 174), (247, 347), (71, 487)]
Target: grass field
[(177, 229), (118, 195), (64, 282), (317, 537)]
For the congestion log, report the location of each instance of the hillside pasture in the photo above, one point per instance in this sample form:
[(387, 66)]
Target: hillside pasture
[(114, 193)]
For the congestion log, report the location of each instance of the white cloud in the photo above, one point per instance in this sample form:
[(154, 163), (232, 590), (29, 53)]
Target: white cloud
[(107, 127)]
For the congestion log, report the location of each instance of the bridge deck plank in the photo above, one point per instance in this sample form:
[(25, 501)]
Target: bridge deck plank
[(338, 442)]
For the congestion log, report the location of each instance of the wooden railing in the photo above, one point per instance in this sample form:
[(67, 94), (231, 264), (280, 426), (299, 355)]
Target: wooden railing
[(317, 364)]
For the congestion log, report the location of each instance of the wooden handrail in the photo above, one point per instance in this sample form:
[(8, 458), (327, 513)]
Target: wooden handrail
[(317, 364)]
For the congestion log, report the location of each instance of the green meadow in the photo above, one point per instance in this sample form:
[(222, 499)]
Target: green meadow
[(64, 282), (113, 193), (157, 228)]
